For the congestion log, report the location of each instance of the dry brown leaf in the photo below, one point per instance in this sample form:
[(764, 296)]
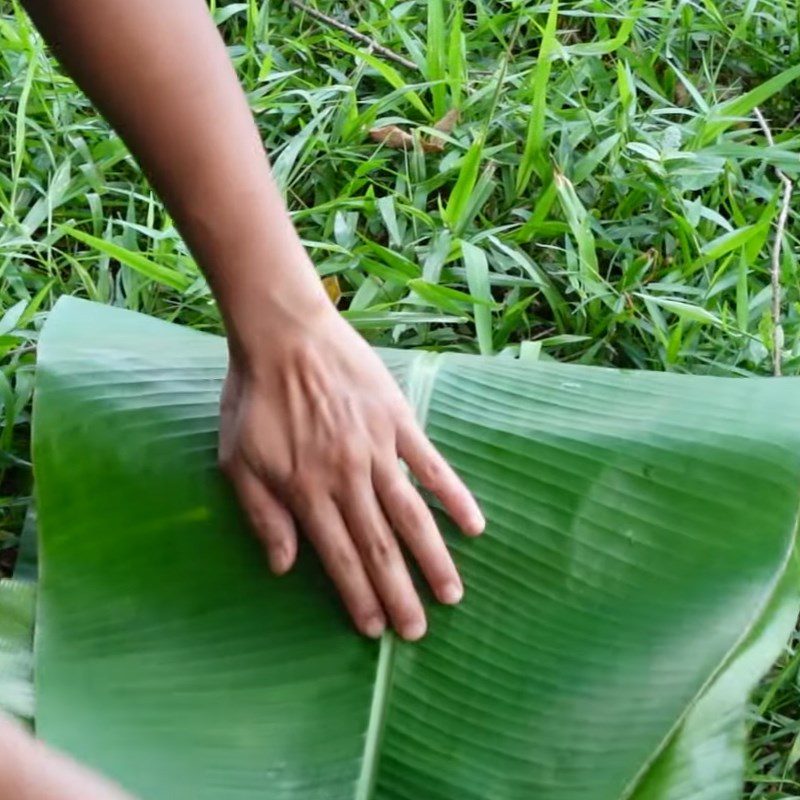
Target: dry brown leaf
[(448, 121), (334, 291), (435, 144), (392, 136), (432, 145)]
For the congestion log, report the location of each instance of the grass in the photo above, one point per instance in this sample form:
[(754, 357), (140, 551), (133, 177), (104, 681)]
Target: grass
[(607, 197)]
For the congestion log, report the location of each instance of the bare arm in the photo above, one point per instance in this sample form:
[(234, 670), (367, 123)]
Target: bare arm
[(31, 771), (312, 423), (160, 74)]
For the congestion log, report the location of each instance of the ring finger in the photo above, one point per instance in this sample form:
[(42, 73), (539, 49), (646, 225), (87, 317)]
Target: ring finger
[(382, 558)]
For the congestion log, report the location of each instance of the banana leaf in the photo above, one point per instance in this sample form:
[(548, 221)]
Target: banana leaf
[(638, 573), (17, 607)]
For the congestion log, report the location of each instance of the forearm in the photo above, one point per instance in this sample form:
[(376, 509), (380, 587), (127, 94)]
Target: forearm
[(161, 75), (30, 771)]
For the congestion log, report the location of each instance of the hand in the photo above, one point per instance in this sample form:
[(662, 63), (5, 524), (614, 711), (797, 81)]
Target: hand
[(311, 431), (312, 423)]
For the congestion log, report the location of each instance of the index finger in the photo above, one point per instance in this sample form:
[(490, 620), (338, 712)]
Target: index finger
[(432, 470)]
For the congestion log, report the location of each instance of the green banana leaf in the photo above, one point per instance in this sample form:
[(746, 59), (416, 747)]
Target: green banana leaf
[(17, 607), (638, 574)]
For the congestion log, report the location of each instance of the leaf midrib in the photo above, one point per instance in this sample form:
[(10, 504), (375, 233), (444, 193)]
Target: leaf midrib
[(419, 388)]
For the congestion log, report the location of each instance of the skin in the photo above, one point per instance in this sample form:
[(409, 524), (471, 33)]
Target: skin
[(312, 424), (29, 770)]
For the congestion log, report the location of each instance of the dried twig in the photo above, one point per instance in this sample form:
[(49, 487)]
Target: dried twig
[(354, 34), (775, 271)]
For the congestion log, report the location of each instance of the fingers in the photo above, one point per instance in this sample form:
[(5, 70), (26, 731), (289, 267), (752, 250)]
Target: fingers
[(350, 504), (323, 525), (414, 523), (382, 558), (272, 523), (437, 476)]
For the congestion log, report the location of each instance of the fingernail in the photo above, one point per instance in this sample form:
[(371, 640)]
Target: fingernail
[(374, 627), (451, 593), (477, 524), (280, 559), (414, 630)]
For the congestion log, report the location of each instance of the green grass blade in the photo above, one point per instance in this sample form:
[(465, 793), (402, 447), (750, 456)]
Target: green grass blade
[(726, 114), (437, 56), (477, 268), (533, 157), (456, 57), (137, 262), (456, 211)]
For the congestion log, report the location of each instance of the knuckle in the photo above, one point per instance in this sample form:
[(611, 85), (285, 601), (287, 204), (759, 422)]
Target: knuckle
[(431, 473), (268, 523), (366, 611), (257, 517), (306, 356), (349, 457), (298, 485), (344, 559), (402, 503), (380, 548)]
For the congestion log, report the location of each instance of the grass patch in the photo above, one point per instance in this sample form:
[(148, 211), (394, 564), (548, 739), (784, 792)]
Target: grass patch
[(607, 196)]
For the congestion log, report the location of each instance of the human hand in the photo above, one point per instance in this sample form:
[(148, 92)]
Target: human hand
[(312, 426), (312, 423)]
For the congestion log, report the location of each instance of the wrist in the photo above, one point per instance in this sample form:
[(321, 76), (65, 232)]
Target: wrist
[(267, 289), (258, 269), (270, 321)]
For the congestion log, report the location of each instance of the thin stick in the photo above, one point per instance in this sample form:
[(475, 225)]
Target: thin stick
[(775, 271), (354, 34)]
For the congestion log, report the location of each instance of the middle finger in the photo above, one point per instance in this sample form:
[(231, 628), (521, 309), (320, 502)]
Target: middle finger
[(382, 558)]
